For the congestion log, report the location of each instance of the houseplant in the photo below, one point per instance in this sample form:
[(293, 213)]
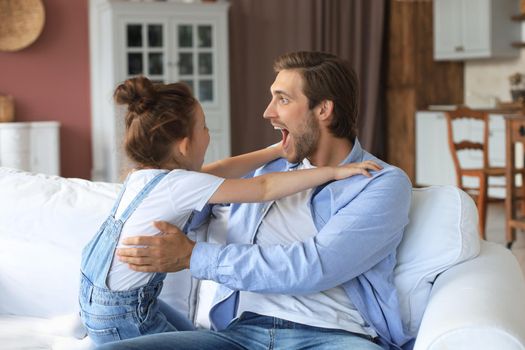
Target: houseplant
[(517, 87)]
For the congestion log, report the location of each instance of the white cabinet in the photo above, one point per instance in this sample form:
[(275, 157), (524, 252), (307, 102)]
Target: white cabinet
[(434, 165), (31, 146), (167, 42), (467, 29)]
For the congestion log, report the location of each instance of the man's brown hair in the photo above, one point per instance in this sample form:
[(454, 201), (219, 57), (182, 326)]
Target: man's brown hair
[(327, 77)]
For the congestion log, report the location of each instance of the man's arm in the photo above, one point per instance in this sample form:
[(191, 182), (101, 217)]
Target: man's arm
[(168, 252), (352, 241)]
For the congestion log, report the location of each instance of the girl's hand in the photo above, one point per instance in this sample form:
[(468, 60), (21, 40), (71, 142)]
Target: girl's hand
[(280, 149), (362, 168)]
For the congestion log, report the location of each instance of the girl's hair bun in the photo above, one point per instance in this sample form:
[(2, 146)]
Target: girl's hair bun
[(138, 93), (157, 116)]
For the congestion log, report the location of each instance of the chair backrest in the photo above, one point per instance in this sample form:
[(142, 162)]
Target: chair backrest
[(464, 113)]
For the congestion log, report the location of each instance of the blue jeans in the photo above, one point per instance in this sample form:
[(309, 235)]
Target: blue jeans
[(251, 332)]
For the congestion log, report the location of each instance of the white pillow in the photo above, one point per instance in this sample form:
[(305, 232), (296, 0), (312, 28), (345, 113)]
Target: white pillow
[(45, 221), (443, 231)]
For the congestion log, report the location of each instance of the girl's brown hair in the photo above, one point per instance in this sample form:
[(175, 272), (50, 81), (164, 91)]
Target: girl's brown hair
[(157, 116)]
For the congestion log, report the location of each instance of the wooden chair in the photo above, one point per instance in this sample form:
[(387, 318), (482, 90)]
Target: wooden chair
[(515, 181), (480, 193)]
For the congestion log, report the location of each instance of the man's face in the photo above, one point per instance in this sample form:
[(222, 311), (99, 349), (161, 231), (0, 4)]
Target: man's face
[(288, 111)]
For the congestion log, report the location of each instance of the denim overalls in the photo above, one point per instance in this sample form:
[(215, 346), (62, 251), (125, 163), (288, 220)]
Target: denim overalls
[(114, 315)]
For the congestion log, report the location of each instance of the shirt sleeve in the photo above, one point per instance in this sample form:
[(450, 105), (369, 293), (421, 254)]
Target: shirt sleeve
[(360, 235), (191, 190)]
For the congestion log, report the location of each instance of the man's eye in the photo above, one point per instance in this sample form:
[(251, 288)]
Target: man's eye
[(284, 100)]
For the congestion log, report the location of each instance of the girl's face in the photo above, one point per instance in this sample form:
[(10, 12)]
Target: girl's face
[(200, 139)]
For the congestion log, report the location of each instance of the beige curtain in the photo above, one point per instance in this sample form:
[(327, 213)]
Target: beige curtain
[(262, 30)]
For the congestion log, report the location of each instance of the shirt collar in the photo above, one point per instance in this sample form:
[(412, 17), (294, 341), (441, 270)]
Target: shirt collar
[(356, 154)]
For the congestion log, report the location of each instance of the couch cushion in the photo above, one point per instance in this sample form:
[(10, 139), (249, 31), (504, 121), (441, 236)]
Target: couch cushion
[(443, 231), (45, 221)]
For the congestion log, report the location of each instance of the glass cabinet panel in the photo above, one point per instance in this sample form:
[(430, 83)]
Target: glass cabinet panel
[(185, 36), (204, 35), (156, 64), (205, 90), (185, 63), (135, 63), (155, 35), (205, 63), (134, 35)]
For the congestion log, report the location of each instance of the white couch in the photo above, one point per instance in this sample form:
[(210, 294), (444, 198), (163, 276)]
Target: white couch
[(456, 291)]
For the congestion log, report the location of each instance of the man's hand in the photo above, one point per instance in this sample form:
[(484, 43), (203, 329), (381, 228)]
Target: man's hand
[(167, 252)]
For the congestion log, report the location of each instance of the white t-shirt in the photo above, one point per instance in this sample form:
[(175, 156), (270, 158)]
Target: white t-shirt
[(173, 199), (289, 220)]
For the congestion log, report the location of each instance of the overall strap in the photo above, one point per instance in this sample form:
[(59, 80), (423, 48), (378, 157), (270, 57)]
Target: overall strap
[(119, 198), (141, 195)]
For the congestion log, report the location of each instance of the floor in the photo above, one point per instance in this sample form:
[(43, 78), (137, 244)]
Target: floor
[(496, 232)]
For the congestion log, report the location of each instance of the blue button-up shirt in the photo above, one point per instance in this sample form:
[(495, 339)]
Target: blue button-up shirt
[(360, 223)]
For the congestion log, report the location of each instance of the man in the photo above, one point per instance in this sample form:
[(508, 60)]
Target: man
[(313, 270)]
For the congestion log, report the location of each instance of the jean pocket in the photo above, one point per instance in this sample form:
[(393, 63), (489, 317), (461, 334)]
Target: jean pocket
[(102, 336)]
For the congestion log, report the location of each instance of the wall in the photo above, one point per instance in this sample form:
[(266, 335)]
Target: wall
[(50, 81), (486, 80), (410, 68)]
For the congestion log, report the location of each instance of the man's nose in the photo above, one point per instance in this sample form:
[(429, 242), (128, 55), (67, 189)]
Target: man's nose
[(269, 112)]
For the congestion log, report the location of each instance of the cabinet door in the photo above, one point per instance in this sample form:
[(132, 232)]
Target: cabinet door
[(475, 26), (45, 148), (15, 146), (434, 165), (31, 147), (144, 49), (447, 28), (194, 58)]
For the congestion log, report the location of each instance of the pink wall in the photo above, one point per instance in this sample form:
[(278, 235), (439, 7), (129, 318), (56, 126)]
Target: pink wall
[(50, 81)]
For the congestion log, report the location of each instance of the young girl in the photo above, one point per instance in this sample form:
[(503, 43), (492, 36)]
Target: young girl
[(167, 137)]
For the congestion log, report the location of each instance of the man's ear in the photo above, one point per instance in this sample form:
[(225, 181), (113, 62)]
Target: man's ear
[(183, 146), (325, 109)]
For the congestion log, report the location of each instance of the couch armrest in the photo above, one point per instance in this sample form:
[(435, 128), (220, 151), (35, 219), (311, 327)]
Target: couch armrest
[(479, 304)]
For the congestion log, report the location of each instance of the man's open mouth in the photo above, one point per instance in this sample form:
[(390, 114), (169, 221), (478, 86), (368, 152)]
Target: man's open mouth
[(285, 134)]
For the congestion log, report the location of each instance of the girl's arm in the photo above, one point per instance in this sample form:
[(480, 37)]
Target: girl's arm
[(235, 167), (273, 186)]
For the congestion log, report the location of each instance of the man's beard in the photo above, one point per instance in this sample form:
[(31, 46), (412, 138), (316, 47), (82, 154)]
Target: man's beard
[(305, 144)]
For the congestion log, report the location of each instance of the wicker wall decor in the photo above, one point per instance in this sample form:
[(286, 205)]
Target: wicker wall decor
[(21, 22)]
